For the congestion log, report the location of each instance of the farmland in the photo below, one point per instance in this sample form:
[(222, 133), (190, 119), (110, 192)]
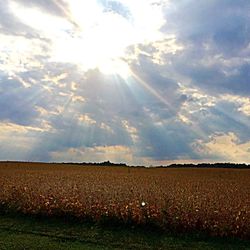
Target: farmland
[(212, 201)]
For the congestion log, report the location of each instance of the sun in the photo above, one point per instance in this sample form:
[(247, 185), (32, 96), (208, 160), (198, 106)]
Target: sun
[(92, 52), (88, 35), (98, 39), (115, 67)]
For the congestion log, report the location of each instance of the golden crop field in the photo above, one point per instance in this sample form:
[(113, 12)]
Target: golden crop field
[(214, 201)]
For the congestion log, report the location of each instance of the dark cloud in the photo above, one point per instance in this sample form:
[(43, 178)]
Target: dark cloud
[(214, 79), (226, 117), (54, 7), (213, 35), (225, 24), (15, 102), (154, 89), (145, 111), (166, 142)]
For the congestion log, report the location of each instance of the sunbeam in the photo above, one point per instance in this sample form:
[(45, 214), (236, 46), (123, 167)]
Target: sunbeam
[(131, 77), (88, 36), (151, 90)]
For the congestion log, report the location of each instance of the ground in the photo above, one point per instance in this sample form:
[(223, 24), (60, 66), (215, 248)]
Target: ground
[(25, 232)]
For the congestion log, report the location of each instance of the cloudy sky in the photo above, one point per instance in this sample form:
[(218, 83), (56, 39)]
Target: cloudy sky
[(142, 82)]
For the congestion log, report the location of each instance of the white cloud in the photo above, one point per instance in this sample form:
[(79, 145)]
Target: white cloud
[(106, 127), (88, 35), (50, 82), (17, 140), (224, 146), (8, 129), (18, 54), (116, 153), (243, 103), (86, 119), (197, 102), (132, 131)]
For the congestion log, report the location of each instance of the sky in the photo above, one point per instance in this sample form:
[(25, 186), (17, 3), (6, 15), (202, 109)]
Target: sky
[(140, 82)]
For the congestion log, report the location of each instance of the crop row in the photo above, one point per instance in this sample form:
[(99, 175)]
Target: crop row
[(215, 201)]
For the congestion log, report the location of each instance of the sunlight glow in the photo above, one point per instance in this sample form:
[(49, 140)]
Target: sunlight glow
[(120, 67), (91, 36)]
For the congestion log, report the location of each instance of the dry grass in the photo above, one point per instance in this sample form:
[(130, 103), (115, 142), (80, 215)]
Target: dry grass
[(215, 201)]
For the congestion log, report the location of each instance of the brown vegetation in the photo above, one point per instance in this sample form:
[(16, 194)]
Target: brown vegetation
[(215, 201)]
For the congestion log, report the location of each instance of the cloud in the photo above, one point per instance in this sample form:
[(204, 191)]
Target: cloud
[(160, 144), (54, 7), (214, 50), (117, 153), (117, 7), (242, 103), (138, 82), (227, 30), (224, 147), (17, 140), (10, 25), (14, 103)]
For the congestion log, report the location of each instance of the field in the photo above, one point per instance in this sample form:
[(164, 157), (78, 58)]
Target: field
[(211, 201)]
